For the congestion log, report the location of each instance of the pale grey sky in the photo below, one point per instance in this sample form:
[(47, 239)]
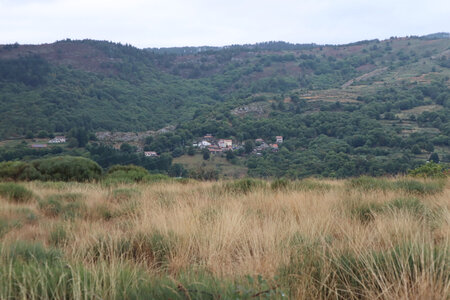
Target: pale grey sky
[(163, 23)]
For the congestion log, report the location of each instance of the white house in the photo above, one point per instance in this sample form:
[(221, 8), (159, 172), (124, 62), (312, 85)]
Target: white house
[(204, 144), (57, 140), (150, 154), (225, 143), (279, 139)]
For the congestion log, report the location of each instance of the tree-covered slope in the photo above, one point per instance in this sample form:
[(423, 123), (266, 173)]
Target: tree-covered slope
[(370, 107)]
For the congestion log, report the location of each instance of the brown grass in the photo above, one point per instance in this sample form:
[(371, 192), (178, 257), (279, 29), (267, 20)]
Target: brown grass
[(201, 226)]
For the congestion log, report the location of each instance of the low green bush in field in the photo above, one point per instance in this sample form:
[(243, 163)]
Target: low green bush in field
[(58, 235), (411, 186), (62, 205), (130, 174), (350, 274), (15, 192), (124, 194), (25, 252), (70, 197), (365, 211), (429, 170), (51, 207), (35, 272), (280, 184), (418, 187), (16, 219), (369, 183), (244, 186)]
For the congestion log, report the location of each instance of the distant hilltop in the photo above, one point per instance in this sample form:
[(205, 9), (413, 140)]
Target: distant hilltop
[(438, 35), (277, 45)]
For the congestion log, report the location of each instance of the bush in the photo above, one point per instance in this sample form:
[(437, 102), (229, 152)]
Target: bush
[(412, 205), (365, 212), (361, 274), (421, 188), (280, 184), (58, 236), (410, 186), (15, 192), (54, 206), (429, 170), (244, 186), (51, 206), (123, 195), (129, 173), (68, 168), (369, 183), (153, 248), (29, 252), (18, 170)]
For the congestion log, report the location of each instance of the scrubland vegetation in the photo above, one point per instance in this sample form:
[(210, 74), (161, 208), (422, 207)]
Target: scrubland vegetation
[(362, 238)]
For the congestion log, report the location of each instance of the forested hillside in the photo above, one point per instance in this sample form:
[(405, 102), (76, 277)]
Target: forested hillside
[(371, 107)]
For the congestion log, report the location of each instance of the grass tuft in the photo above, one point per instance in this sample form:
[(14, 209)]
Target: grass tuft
[(15, 192)]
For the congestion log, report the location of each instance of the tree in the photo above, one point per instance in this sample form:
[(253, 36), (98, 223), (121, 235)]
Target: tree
[(191, 151), (177, 170), (249, 145), (127, 148), (434, 157), (177, 152), (42, 134), (230, 155), (415, 150), (206, 154)]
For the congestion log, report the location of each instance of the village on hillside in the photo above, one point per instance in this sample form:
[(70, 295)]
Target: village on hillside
[(206, 143), (214, 145)]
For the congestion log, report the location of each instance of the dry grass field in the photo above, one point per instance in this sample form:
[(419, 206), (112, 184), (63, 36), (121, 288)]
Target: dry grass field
[(363, 238)]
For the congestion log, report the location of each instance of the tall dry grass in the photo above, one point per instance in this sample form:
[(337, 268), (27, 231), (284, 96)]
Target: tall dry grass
[(366, 239)]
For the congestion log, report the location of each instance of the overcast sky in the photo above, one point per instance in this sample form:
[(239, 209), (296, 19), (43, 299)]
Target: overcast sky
[(163, 23)]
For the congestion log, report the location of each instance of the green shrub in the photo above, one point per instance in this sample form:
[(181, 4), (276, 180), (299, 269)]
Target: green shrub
[(429, 170), (27, 215), (421, 188), (365, 212), (126, 174), (68, 168), (123, 194), (104, 212), (364, 274), (310, 185), (75, 209), (27, 252), (15, 192), (156, 178), (18, 170), (366, 183), (58, 235), (56, 205), (280, 184), (244, 186), (153, 248), (408, 185), (412, 205), (70, 197), (51, 206)]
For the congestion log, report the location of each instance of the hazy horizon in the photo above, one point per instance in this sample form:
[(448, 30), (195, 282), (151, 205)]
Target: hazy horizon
[(177, 23)]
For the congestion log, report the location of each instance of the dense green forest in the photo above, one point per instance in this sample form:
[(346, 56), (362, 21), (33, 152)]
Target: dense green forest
[(371, 107)]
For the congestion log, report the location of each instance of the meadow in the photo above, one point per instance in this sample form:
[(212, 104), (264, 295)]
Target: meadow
[(361, 238)]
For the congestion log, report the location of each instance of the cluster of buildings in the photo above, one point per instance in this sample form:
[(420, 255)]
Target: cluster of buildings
[(222, 145), (261, 145), (215, 145), (55, 140)]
